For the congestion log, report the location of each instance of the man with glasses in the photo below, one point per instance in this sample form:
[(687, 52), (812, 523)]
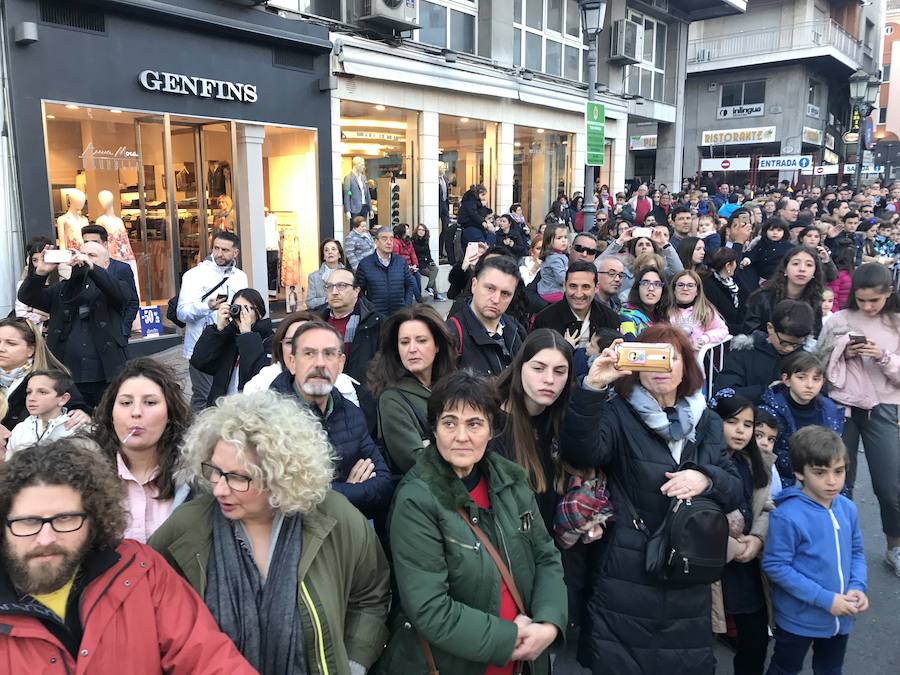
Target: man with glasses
[(361, 473), (584, 248), (384, 278), (610, 273), (359, 324), (753, 363), (75, 596)]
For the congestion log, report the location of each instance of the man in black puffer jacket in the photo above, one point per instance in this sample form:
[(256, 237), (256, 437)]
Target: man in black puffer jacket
[(384, 278), (754, 361)]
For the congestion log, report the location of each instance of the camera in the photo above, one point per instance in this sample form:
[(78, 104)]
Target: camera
[(234, 312)]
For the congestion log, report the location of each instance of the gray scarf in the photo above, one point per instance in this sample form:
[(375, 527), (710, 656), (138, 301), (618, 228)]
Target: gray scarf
[(673, 424), (8, 377), (260, 618)]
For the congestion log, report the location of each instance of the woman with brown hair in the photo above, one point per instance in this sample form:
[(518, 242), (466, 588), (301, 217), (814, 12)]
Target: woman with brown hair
[(139, 426), (416, 351)]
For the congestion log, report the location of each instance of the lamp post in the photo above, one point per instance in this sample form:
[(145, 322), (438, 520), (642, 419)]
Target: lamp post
[(593, 14), (863, 94)]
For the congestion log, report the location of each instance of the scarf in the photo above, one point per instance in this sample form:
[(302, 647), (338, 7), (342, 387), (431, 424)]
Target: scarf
[(673, 424), (731, 285), (10, 377), (261, 618), (350, 330)]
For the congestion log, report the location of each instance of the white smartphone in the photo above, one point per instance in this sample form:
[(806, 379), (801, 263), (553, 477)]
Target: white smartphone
[(641, 232), (55, 255), (471, 249)]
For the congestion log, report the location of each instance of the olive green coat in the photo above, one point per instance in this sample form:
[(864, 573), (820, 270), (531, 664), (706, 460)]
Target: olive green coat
[(344, 588), (399, 428), (448, 585)]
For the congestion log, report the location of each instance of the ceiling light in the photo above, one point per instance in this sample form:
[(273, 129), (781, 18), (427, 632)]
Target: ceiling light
[(72, 107), (379, 108), (517, 144), (540, 131), (51, 117), (115, 111), (372, 124), (463, 119)]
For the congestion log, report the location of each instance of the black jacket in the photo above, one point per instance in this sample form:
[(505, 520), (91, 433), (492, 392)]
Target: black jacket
[(105, 296), (478, 350), (758, 313), (122, 271), (217, 351), (471, 212), (719, 295), (751, 365), (536, 304), (558, 316), (349, 437), (635, 624), (423, 252), (519, 246), (362, 351)]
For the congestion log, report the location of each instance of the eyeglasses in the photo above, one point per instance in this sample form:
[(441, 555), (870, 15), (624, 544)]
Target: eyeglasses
[(789, 344), (646, 283), (61, 523), (585, 249), (330, 354), (613, 275), (339, 286), (685, 285), (236, 481)]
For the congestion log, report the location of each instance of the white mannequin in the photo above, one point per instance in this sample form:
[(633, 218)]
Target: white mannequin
[(69, 224), (118, 243)]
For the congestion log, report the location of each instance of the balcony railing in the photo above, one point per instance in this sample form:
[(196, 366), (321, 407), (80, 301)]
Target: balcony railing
[(770, 41)]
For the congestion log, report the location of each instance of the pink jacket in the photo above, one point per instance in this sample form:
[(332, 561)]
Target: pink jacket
[(716, 332), (841, 288), (862, 382)]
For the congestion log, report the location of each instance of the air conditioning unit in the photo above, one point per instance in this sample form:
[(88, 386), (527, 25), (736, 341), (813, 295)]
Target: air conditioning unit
[(627, 43), (397, 15)]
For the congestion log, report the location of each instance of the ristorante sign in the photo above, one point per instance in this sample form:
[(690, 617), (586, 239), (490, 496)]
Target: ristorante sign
[(203, 87)]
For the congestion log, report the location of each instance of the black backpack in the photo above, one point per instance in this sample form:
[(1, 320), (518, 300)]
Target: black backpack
[(172, 306)]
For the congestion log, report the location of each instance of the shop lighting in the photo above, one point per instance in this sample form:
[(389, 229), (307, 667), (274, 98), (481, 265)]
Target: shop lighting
[(463, 119), (51, 117), (517, 144), (380, 108), (71, 107), (372, 124), (115, 111), (540, 131)]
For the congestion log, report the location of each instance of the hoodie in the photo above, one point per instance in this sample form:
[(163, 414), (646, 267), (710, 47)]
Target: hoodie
[(812, 553)]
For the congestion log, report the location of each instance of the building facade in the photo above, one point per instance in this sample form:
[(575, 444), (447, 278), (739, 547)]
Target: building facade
[(887, 130), (773, 82)]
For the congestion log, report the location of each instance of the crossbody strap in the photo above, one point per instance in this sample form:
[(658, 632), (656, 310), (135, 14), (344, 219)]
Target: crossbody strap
[(421, 421), (211, 290)]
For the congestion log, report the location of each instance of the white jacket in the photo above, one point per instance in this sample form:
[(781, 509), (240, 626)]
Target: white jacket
[(31, 431), (195, 312), (264, 378)]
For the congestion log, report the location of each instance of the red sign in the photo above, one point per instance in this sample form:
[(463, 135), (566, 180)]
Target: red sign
[(725, 164)]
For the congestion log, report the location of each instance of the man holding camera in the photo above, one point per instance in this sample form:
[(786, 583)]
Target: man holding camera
[(204, 289)]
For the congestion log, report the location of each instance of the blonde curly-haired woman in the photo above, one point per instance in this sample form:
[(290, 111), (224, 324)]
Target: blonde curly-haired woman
[(290, 570)]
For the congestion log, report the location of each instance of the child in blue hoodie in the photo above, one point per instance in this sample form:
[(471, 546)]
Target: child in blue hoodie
[(814, 558), (798, 402)]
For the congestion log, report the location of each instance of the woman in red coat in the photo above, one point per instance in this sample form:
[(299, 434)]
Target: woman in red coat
[(403, 246)]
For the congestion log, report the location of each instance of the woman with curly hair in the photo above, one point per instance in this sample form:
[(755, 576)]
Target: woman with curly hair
[(290, 570), (798, 277), (139, 425)]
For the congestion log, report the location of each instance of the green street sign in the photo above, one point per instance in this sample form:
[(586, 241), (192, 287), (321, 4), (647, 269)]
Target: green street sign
[(595, 127)]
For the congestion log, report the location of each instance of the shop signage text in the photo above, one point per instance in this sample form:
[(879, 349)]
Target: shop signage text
[(725, 164), (784, 163), (830, 157), (732, 111), (738, 136), (642, 142), (187, 85), (829, 141), (595, 127), (811, 135), (812, 110), (120, 158)]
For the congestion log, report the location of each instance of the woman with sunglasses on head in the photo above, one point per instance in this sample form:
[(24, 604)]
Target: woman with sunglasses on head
[(237, 346), (290, 570)]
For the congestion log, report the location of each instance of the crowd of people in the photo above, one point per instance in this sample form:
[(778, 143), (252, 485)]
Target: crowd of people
[(371, 486)]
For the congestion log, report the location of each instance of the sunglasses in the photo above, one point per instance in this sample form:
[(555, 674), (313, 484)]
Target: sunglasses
[(585, 249)]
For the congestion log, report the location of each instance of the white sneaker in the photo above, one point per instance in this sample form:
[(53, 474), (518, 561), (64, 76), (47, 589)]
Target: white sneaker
[(892, 558)]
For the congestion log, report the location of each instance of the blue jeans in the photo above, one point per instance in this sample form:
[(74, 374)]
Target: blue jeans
[(790, 650)]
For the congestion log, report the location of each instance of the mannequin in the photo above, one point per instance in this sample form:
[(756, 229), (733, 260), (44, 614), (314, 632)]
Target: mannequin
[(357, 197), (69, 224), (118, 243)]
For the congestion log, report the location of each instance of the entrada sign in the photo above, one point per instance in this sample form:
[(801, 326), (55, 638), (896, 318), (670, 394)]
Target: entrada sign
[(187, 85), (784, 162)]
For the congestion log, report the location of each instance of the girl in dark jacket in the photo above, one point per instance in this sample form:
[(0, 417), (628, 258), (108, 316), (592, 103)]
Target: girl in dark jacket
[(237, 346), (722, 290), (635, 623), (775, 241), (510, 236), (427, 265)]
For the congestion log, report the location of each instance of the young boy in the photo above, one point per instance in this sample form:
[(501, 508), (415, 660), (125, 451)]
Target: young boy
[(814, 558), (766, 433), (797, 403), (46, 395)]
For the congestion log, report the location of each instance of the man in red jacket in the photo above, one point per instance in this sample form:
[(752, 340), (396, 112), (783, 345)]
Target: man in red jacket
[(74, 596)]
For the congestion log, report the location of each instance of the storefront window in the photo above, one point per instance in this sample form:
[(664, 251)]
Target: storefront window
[(386, 140), (469, 149), (541, 169)]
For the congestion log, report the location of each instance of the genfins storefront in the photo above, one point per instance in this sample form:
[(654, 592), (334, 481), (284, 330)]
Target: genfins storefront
[(164, 122)]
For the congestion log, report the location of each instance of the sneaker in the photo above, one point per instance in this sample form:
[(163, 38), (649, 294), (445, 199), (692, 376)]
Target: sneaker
[(439, 298), (892, 558)]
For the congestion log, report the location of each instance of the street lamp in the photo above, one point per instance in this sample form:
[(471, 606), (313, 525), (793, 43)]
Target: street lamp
[(593, 14), (864, 90)]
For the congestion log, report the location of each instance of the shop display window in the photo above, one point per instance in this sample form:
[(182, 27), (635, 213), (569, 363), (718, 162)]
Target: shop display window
[(469, 149), (541, 167)]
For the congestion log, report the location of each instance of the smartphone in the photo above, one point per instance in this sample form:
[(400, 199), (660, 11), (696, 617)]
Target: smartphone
[(648, 357), (55, 255), (857, 338), (471, 249), (641, 232)]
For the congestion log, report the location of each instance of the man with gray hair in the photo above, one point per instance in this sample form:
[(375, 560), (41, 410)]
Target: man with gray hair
[(384, 278)]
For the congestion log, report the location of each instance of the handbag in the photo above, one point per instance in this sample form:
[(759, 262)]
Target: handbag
[(690, 545), (505, 575), (172, 305)]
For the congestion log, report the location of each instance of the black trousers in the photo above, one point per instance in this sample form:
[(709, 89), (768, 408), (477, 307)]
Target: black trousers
[(752, 642)]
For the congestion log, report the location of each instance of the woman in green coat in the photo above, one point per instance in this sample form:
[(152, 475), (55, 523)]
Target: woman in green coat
[(415, 352), (290, 570), (451, 592)]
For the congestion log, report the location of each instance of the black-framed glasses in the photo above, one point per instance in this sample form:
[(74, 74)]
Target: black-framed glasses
[(31, 525), (789, 344), (339, 286), (585, 249), (613, 275), (236, 481)]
